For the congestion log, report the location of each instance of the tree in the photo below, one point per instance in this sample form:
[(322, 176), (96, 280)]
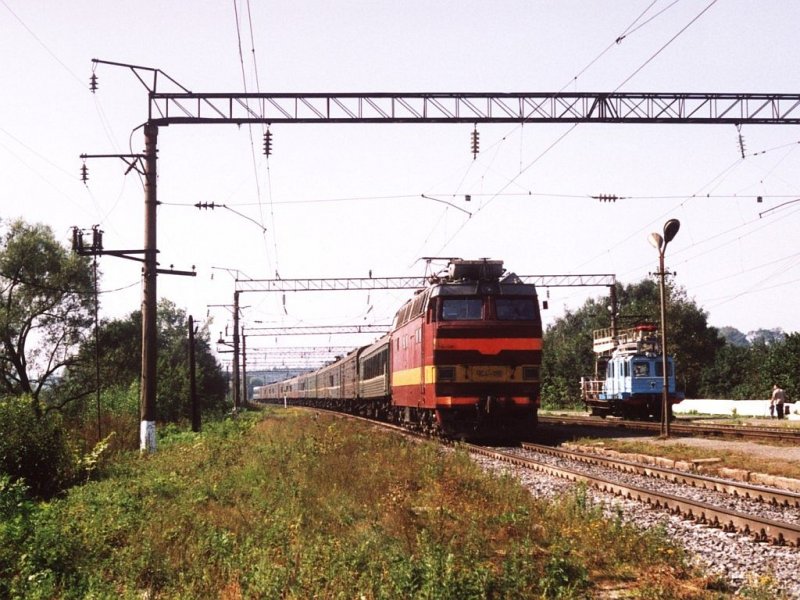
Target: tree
[(46, 296), (733, 373), (768, 336), (568, 352), (782, 366), (120, 362), (36, 449), (749, 372), (692, 342), (173, 366), (733, 336)]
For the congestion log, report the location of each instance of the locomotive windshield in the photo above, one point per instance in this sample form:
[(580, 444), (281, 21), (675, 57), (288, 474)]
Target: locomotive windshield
[(641, 369), (515, 309), (475, 309), (660, 369), (461, 309)]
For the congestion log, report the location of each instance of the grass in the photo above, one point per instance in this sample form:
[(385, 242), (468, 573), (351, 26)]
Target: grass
[(289, 505)]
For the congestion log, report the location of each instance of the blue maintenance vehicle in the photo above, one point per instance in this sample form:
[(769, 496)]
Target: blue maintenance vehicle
[(629, 374)]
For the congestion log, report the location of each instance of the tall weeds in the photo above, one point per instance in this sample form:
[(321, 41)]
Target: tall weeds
[(298, 506)]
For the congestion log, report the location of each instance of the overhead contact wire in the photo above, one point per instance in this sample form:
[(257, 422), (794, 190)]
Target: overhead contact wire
[(664, 46), (619, 38), (247, 104)]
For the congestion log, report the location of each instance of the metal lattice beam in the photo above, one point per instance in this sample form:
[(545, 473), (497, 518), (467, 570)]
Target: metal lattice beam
[(402, 283), (311, 352), (579, 280), (330, 284), (544, 107), (317, 330)]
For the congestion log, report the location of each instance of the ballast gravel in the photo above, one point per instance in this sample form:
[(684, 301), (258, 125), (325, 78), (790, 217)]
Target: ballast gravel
[(734, 557)]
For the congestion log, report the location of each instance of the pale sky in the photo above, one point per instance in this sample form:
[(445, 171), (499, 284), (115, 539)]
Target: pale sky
[(341, 200)]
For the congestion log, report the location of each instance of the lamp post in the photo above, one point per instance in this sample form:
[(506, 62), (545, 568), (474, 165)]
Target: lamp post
[(660, 242)]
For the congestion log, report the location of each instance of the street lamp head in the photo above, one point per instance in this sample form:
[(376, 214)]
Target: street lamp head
[(656, 241), (671, 228)]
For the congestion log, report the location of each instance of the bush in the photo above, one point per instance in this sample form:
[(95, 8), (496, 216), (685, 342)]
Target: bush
[(119, 414), (35, 449)]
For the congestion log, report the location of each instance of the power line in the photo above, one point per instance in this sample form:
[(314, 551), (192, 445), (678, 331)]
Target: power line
[(663, 47), (43, 45), (528, 194), (250, 127)]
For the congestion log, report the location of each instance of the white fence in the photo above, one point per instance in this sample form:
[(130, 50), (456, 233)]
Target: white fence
[(747, 408)]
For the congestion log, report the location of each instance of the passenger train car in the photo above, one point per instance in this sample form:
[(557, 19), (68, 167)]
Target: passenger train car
[(629, 375), (462, 358)]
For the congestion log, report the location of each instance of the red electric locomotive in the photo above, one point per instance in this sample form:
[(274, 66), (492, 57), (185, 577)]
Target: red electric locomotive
[(466, 353), (462, 359)]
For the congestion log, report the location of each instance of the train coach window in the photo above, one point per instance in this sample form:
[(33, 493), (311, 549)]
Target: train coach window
[(515, 309), (461, 309)]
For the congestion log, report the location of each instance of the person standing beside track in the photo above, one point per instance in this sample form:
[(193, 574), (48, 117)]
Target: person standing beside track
[(778, 398)]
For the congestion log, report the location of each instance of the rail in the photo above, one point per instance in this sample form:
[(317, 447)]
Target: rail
[(772, 434), (759, 528), (767, 495)]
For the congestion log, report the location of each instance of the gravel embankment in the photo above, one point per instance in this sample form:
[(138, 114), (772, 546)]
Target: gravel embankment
[(733, 556)]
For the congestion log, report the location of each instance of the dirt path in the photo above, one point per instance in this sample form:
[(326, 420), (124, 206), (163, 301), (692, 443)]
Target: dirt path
[(763, 451)]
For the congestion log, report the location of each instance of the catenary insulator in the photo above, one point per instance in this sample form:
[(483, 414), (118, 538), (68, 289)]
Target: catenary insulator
[(77, 240), (267, 143)]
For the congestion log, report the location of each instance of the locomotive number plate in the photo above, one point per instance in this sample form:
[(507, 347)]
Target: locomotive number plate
[(488, 374)]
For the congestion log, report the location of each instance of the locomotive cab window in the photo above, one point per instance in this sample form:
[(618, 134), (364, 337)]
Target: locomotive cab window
[(515, 309), (461, 309), (641, 369), (660, 369)]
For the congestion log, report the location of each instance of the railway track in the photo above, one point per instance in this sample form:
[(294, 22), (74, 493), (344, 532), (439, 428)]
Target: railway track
[(708, 531), (770, 434), (758, 527), (772, 496)]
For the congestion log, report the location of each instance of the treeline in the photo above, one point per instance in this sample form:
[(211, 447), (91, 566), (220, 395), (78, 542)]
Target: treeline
[(57, 417), (710, 362)]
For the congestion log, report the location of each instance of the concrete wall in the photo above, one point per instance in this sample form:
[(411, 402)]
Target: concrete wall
[(750, 408)]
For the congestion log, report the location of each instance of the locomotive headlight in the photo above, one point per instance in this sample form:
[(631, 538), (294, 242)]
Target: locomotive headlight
[(530, 373), (445, 373)]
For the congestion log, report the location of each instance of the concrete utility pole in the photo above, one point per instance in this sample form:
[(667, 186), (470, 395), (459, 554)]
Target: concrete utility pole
[(147, 431), (244, 367), (236, 385), (192, 380)]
